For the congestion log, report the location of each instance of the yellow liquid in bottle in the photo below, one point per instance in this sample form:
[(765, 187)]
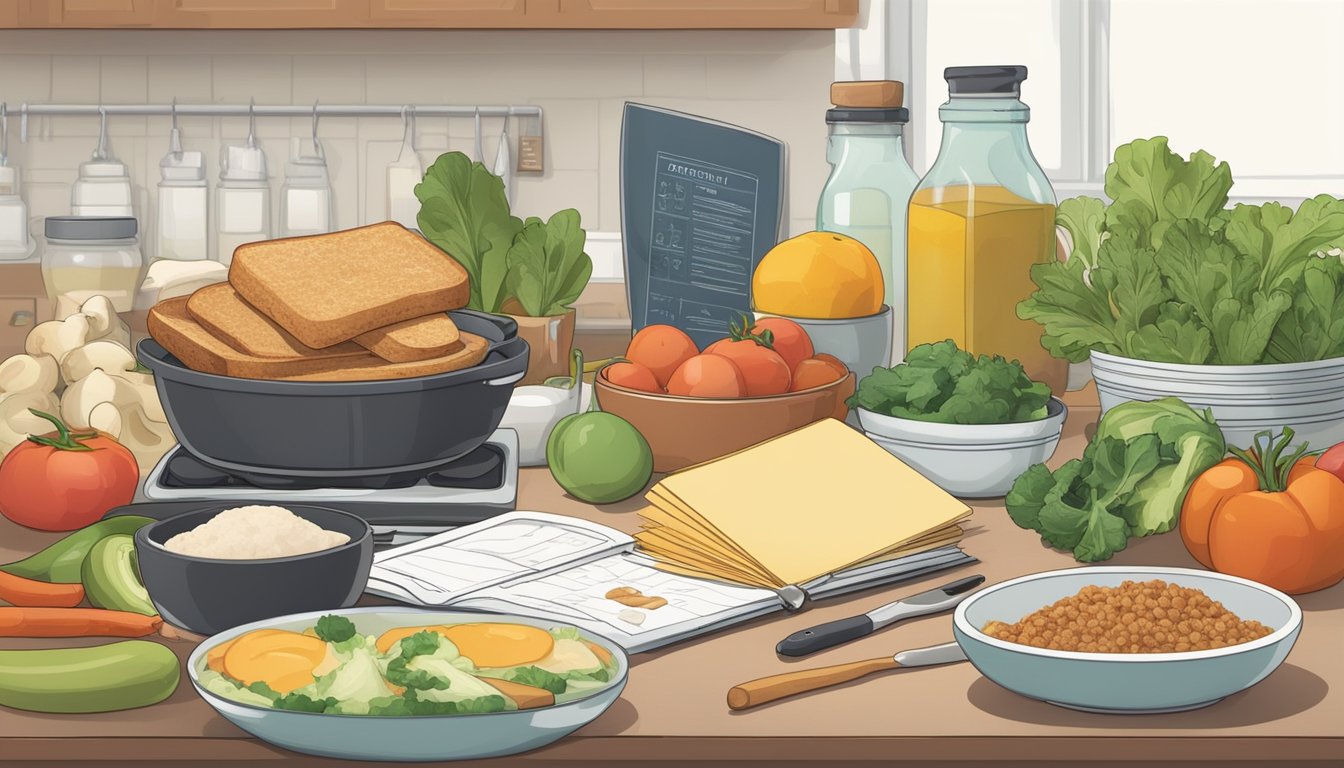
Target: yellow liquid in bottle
[(969, 258)]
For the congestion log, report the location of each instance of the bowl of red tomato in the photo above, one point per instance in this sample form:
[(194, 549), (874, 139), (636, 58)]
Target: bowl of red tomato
[(693, 404)]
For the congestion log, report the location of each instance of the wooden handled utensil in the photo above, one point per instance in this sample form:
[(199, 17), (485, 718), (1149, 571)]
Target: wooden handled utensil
[(768, 689)]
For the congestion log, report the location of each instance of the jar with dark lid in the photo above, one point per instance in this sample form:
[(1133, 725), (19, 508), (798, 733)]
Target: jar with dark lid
[(868, 190), (91, 256), (979, 219)]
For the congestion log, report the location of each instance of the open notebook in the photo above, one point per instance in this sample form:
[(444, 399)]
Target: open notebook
[(562, 568)]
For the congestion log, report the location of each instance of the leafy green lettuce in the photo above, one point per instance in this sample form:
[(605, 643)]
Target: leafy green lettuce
[(540, 265), (463, 210), (547, 266), (939, 382), (1130, 481), (1168, 273)]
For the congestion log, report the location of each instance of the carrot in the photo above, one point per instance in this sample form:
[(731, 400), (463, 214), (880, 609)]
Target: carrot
[(17, 590), (75, 622)]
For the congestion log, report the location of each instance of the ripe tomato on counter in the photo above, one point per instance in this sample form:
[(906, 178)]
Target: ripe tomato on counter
[(63, 481)]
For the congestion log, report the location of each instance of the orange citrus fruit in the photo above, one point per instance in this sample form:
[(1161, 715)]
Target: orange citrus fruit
[(821, 275)]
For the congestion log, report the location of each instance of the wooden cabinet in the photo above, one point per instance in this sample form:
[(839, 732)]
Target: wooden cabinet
[(103, 14), (434, 13), (23, 304), (430, 14), (706, 14), (261, 14)]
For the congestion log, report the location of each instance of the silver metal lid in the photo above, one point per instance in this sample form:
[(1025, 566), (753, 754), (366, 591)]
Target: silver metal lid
[(91, 227)]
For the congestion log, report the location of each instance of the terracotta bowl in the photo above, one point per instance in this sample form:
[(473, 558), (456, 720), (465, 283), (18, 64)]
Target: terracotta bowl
[(689, 430)]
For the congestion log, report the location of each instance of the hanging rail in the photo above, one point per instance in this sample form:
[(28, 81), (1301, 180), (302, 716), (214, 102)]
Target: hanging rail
[(267, 110)]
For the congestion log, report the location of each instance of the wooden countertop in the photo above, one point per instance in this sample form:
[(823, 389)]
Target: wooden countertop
[(673, 709)]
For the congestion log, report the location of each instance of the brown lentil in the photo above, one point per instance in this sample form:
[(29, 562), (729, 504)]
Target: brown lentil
[(1135, 617)]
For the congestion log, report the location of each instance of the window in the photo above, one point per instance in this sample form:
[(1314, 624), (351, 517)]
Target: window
[(1252, 82)]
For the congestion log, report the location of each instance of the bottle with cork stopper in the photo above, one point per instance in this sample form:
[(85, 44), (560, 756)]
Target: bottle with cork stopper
[(871, 181)]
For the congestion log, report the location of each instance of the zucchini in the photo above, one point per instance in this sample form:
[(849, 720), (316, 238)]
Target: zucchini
[(61, 562), (104, 678), (112, 579)]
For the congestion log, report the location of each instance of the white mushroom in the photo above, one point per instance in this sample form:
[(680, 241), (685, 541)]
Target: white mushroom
[(81, 397), (26, 373), (58, 337), (17, 422), (104, 322), (103, 354)]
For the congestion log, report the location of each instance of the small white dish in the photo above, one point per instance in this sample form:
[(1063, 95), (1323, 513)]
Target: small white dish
[(971, 461), (533, 412)]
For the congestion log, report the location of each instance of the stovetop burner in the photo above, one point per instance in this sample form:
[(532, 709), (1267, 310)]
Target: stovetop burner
[(480, 469), (470, 489)]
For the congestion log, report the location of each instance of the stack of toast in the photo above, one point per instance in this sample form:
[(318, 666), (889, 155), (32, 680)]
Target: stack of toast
[(358, 305)]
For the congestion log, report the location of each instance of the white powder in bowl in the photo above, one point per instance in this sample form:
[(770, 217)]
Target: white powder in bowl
[(254, 533)]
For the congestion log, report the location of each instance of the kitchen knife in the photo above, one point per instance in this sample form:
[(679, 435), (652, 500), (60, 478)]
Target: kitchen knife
[(833, 633), (767, 689)]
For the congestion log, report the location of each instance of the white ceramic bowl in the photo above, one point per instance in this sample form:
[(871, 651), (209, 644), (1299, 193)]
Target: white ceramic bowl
[(973, 461), (1125, 682), (861, 343), (413, 738), (533, 412), (1245, 399)]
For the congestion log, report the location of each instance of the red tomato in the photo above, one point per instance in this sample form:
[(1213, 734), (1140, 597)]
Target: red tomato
[(815, 372), (788, 338), (632, 376), (661, 349), (707, 376), (763, 370), (1332, 461), (62, 482)]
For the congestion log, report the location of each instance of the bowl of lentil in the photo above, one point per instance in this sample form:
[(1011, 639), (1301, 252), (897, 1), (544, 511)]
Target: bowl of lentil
[(1120, 639)]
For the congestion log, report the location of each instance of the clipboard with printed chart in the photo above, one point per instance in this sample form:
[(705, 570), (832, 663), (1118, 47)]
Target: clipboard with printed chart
[(702, 201)]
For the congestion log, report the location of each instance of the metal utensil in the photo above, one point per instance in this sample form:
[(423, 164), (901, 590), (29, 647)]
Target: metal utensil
[(768, 689), (503, 162), (833, 633), (480, 149)]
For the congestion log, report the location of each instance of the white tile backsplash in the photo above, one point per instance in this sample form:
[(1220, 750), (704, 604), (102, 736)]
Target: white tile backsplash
[(775, 82)]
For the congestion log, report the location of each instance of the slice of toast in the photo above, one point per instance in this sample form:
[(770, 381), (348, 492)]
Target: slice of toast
[(228, 317), (171, 325), (325, 289), (411, 340)]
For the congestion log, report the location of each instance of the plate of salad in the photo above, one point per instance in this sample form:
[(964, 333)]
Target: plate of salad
[(408, 684)]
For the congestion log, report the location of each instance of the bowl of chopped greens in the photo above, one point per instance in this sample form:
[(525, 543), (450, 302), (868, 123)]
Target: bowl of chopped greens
[(1168, 291), (407, 684), (970, 424)]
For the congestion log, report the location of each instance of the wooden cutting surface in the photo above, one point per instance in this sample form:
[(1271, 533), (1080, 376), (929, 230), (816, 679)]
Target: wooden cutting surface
[(673, 710)]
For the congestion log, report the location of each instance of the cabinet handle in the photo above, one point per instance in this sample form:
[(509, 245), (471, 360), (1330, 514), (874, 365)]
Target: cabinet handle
[(21, 318)]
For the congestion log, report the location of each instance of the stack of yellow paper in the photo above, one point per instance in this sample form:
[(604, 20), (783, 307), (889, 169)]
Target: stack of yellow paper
[(807, 504)]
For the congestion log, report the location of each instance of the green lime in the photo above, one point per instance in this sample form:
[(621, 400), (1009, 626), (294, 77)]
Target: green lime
[(599, 457)]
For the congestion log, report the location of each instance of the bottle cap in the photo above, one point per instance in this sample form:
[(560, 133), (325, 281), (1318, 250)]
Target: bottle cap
[(899, 115), (985, 81), (868, 94), (90, 227)]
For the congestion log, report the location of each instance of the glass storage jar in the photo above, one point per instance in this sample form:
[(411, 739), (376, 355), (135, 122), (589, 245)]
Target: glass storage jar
[(868, 190), (978, 221), (89, 256)]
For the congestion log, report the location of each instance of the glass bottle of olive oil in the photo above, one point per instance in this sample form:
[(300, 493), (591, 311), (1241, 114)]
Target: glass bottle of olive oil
[(979, 219)]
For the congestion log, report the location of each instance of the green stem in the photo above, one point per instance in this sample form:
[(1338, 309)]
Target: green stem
[(1272, 469), (740, 330), (64, 441)]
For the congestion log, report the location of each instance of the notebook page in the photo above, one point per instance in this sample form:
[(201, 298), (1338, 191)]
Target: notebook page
[(815, 500), (437, 569), (578, 595)]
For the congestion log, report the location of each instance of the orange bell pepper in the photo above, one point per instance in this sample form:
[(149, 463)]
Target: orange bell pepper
[(1270, 518)]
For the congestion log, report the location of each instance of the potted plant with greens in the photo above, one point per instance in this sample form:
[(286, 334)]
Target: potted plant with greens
[(1168, 291), (531, 270)]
